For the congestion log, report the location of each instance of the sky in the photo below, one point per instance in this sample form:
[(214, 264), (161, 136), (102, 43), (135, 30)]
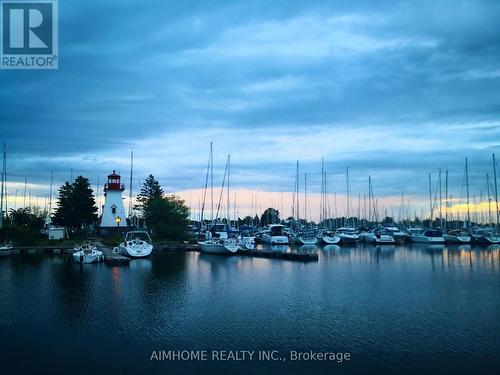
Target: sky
[(393, 89)]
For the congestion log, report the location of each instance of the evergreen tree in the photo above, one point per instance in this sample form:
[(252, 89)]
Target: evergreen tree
[(62, 215), (83, 202), (76, 204), (270, 216), (151, 189)]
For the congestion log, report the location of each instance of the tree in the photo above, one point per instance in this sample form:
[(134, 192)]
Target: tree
[(25, 225), (167, 217), (151, 189), (76, 206), (63, 213), (270, 216)]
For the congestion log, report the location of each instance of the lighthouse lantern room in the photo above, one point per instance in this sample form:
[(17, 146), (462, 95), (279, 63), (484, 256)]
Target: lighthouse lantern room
[(113, 212)]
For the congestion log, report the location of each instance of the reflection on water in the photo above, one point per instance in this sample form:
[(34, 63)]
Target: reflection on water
[(395, 308)]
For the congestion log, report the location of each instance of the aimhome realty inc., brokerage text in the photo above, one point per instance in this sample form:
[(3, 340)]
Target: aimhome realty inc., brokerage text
[(248, 355)]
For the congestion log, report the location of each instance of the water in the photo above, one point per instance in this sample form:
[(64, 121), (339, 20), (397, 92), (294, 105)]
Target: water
[(403, 309)]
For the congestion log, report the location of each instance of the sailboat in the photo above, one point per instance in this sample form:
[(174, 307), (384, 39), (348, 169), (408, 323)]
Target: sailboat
[(216, 243), (137, 244), (306, 236), (5, 250)]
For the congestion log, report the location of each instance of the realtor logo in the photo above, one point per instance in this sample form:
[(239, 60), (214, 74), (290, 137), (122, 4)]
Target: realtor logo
[(29, 35)]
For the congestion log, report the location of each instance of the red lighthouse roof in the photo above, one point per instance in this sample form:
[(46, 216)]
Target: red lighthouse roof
[(114, 175), (114, 183)]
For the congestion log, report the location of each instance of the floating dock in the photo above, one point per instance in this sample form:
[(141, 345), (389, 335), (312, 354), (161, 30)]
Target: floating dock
[(113, 259), (42, 249)]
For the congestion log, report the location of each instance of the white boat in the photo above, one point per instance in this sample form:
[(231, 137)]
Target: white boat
[(87, 254), (275, 235), (219, 246), (219, 230), (329, 238), (5, 250), (137, 244), (348, 236), (378, 236), (398, 235), (247, 242), (429, 236), (306, 238), (485, 237), (456, 236)]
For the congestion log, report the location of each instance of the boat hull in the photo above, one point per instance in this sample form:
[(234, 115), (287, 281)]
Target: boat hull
[(330, 240), (216, 248), (485, 240), (307, 241), (346, 239), (133, 252), (427, 240), (276, 240), (456, 239)]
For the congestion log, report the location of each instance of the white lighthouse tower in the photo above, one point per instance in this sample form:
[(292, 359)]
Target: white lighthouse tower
[(113, 213)]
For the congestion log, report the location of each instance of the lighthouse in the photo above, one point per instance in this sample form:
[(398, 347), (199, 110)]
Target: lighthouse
[(113, 213)]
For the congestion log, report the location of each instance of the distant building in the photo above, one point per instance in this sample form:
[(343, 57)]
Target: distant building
[(57, 233), (113, 219)]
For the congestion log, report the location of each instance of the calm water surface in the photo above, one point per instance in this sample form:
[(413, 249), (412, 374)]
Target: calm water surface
[(403, 309)]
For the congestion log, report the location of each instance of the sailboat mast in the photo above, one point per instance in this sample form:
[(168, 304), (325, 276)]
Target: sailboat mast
[(212, 179), (496, 190), (322, 201), (130, 187), (440, 201), (369, 200), (305, 197), (297, 200), (228, 174), (489, 198), (347, 193), (467, 188), (446, 199), (430, 199)]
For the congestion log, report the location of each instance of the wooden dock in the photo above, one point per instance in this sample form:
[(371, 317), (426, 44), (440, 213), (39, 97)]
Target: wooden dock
[(113, 259), (303, 257), (54, 249)]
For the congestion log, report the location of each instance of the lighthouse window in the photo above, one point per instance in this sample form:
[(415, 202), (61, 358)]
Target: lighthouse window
[(113, 209)]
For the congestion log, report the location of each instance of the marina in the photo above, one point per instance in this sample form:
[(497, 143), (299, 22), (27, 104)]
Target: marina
[(250, 187)]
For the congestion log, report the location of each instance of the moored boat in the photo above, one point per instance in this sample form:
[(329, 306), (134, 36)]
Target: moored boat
[(219, 246), (5, 250), (87, 254), (137, 244), (456, 236), (348, 236), (485, 237), (428, 236), (275, 235), (378, 236), (399, 235), (329, 238)]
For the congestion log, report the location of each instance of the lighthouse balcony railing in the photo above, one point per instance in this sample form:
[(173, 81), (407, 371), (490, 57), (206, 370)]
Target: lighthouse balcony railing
[(114, 186)]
